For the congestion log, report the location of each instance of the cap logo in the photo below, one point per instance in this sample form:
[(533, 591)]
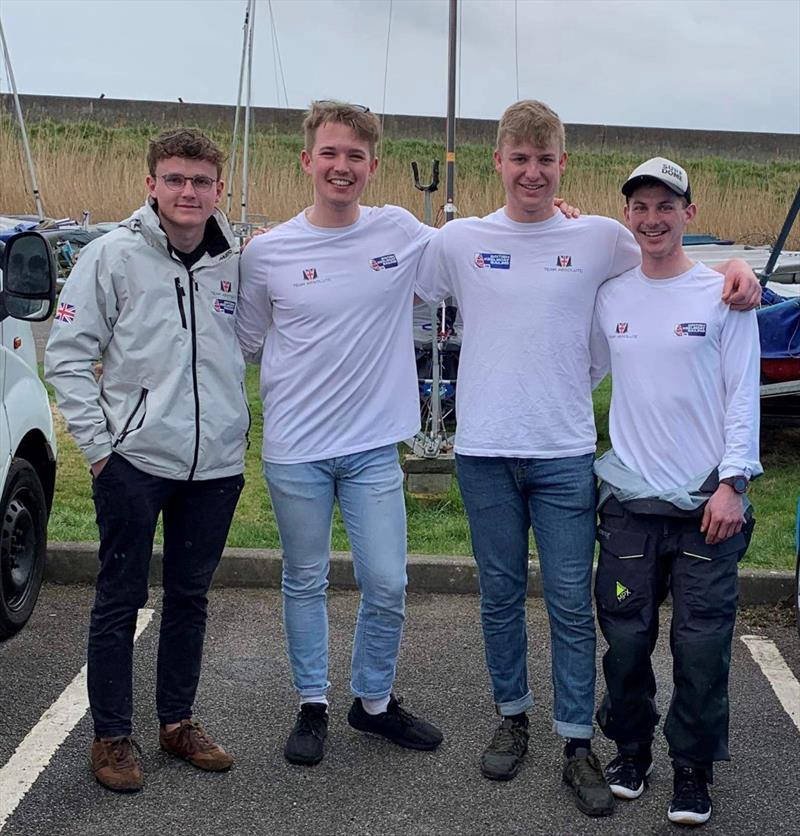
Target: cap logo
[(672, 171)]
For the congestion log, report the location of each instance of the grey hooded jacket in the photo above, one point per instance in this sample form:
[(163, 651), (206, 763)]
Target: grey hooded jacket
[(171, 396)]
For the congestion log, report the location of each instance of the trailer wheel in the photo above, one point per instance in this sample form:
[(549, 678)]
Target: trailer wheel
[(23, 546)]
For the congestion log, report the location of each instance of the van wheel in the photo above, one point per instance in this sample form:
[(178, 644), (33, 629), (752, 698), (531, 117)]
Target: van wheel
[(23, 546)]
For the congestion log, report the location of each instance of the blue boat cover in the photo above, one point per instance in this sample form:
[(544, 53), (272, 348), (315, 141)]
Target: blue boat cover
[(779, 329)]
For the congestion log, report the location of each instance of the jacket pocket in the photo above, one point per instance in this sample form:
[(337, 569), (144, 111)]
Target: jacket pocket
[(623, 582), (140, 410), (180, 293)]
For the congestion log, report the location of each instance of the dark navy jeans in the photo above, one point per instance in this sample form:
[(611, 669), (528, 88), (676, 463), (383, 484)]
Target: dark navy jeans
[(197, 516)]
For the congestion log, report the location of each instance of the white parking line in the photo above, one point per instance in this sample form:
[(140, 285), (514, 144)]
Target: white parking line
[(43, 740), (782, 680)]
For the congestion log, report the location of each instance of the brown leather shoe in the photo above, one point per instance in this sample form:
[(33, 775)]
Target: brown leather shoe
[(192, 743), (115, 764)]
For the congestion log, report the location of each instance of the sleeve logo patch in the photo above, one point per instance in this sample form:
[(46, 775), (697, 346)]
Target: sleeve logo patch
[(494, 261), (225, 306), (383, 262), (65, 312), (690, 329)]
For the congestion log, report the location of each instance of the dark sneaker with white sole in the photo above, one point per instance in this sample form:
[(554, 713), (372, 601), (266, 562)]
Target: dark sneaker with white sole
[(306, 743), (627, 776), (502, 758), (691, 803), (584, 775), (395, 724)]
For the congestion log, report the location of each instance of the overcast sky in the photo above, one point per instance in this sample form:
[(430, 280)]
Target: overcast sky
[(714, 64)]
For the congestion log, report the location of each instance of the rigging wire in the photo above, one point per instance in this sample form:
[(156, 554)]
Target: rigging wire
[(277, 52), (516, 46), (385, 85)]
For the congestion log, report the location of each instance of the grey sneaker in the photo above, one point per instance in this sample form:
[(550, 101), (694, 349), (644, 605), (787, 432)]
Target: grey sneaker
[(502, 758), (584, 775)]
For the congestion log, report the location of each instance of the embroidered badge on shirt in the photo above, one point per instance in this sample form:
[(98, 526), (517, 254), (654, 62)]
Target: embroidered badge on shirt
[(564, 261), (310, 273), (383, 262), (224, 306), (65, 312), (224, 286), (622, 327), (494, 261), (690, 329)]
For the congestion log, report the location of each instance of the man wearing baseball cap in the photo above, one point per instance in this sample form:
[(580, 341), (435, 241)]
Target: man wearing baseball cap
[(674, 514)]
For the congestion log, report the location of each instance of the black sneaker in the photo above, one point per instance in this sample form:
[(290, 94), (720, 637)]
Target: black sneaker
[(691, 803), (584, 775), (627, 776), (306, 743), (502, 758), (395, 724)]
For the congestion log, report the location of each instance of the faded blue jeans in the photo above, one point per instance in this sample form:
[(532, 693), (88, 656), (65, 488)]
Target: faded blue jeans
[(503, 498), (369, 488)]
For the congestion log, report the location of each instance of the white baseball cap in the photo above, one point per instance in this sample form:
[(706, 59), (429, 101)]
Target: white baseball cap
[(663, 171)]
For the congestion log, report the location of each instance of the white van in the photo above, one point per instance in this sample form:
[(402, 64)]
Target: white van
[(27, 434)]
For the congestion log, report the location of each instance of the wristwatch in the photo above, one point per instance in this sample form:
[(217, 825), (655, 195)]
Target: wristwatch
[(738, 483)]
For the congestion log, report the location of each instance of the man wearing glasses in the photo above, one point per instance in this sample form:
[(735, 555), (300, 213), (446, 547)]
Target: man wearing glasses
[(163, 430)]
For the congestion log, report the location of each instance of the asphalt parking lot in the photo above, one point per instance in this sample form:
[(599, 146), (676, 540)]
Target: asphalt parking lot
[(364, 785)]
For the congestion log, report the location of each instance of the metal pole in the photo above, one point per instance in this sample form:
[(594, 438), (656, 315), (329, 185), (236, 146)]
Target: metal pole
[(784, 234), (450, 169), (234, 144), (34, 185), (246, 147)]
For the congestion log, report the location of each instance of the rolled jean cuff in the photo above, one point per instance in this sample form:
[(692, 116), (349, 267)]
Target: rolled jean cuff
[(573, 730), (375, 696), (314, 691), (509, 709)]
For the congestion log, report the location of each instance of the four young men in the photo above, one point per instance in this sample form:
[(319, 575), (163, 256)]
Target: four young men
[(325, 307)]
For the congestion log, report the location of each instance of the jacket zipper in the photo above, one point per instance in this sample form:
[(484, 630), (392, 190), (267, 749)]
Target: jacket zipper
[(125, 430), (192, 289), (180, 292)]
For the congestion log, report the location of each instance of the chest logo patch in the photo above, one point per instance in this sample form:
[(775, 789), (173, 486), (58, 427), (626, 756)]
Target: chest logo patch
[(224, 286), (225, 306), (564, 261), (690, 329), (622, 327), (494, 261), (383, 262), (310, 273)]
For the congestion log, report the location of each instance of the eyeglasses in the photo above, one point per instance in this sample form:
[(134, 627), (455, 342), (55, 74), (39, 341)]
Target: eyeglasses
[(176, 182), (357, 107)]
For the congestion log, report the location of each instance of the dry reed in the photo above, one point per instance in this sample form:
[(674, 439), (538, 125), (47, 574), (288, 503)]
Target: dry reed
[(88, 167)]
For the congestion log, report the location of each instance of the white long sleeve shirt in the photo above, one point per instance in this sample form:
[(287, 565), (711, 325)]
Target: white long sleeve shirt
[(685, 376)]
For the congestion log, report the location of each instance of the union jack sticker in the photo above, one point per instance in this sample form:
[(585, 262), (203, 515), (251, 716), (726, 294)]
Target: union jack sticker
[(65, 312)]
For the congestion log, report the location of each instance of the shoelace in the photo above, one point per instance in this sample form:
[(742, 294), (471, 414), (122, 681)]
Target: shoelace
[(194, 737), (588, 770), (122, 751), (687, 786), (506, 736), (311, 724), (395, 710)]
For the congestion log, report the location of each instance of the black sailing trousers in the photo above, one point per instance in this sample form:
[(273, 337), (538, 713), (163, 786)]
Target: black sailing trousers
[(644, 557)]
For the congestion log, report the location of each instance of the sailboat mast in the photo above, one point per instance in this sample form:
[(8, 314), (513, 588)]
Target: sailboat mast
[(34, 185), (450, 167)]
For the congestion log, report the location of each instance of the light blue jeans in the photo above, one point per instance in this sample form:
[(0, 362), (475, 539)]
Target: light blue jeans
[(369, 488), (503, 498)]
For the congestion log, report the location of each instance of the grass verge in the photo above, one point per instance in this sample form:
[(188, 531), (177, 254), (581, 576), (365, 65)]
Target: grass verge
[(435, 527)]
